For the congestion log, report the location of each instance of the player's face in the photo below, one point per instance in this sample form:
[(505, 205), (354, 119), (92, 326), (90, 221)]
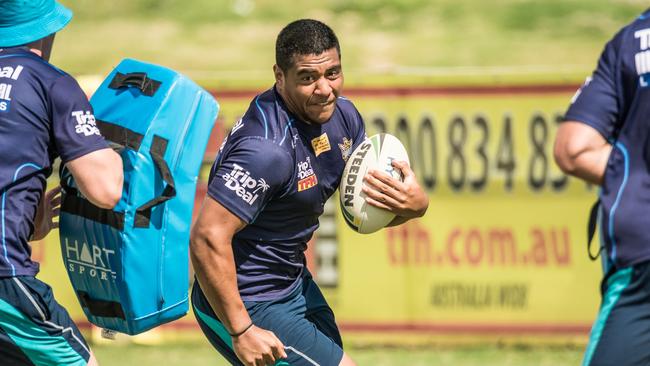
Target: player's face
[(312, 85)]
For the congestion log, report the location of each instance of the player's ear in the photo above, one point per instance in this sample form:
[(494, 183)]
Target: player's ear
[(279, 75)]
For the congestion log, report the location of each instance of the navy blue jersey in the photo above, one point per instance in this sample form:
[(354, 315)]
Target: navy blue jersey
[(43, 114), (275, 172), (616, 102)]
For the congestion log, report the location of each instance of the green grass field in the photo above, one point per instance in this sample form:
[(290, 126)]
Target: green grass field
[(200, 353), (230, 43)]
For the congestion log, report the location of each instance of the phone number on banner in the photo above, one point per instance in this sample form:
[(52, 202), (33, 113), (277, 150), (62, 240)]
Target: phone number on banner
[(467, 153)]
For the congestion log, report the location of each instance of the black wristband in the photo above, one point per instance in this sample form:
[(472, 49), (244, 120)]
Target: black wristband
[(235, 335)]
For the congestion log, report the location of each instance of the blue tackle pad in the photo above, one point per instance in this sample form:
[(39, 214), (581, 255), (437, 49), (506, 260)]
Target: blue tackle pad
[(130, 266)]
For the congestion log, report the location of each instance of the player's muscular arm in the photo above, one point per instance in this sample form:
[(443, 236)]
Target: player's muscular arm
[(581, 151), (214, 265), (99, 176)]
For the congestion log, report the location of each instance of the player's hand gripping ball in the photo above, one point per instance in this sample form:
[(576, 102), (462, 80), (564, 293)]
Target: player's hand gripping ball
[(376, 152)]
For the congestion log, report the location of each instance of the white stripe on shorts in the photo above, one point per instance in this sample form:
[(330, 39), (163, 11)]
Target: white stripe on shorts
[(301, 355), (42, 314)]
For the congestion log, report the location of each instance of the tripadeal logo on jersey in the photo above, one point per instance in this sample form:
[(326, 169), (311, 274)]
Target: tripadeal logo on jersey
[(642, 58), (307, 177), (246, 187), (11, 73), (86, 124)]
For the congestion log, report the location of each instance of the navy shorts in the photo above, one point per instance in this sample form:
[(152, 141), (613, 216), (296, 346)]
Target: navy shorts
[(303, 321), (621, 334), (34, 328)]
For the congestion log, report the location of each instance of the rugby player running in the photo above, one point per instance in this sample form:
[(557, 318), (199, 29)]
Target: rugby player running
[(254, 299)]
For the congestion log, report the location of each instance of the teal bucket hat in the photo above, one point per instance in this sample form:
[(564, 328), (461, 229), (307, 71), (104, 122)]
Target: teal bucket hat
[(25, 21)]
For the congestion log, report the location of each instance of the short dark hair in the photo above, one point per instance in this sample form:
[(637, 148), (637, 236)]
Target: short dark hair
[(303, 37)]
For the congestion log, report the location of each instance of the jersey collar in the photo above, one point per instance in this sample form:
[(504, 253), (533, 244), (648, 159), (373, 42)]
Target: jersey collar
[(306, 127)]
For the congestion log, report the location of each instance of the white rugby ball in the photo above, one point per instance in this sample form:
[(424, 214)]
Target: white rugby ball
[(376, 152)]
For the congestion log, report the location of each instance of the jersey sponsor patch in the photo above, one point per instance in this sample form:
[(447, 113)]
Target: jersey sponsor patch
[(85, 123), (321, 144), (10, 72), (346, 147), (5, 91), (642, 58), (307, 177), (307, 183), (245, 187)]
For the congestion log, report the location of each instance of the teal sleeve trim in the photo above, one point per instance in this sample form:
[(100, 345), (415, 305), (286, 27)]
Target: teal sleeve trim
[(40, 347), (615, 286)]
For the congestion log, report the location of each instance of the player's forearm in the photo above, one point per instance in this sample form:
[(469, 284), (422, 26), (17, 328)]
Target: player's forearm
[(214, 266)]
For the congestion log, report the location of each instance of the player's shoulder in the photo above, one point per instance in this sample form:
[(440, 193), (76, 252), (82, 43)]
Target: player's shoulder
[(346, 105), (32, 69), (643, 20), (266, 150), (258, 154), (634, 32), (30, 63), (25, 66), (265, 118), (349, 113), (38, 82)]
